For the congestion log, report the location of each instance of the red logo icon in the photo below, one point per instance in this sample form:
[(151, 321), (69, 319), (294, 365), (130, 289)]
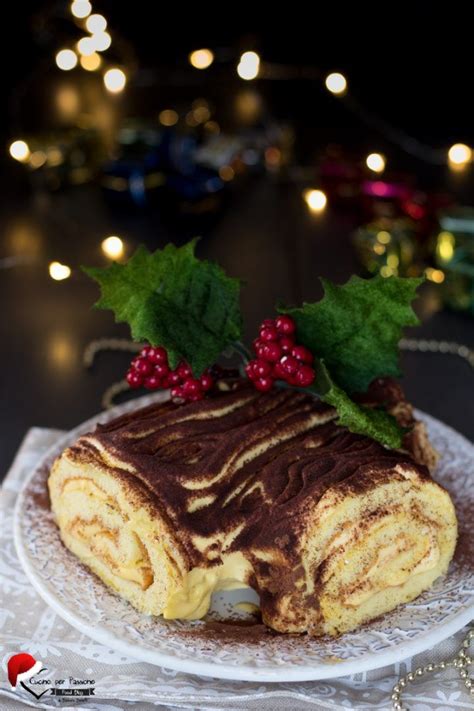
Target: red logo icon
[(22, 667)]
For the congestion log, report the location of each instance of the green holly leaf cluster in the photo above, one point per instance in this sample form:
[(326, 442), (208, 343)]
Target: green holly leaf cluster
[(354, 331), (356, 327), (191, 307), (172, 299)]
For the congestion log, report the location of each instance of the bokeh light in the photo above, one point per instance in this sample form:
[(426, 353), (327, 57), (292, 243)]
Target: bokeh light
[(226, 173), (81, 9), (67, 101), (58, 271), (91, 62), (384, 237), (54, 156), (112, 246), (336, 83), (393, 261), (37, 159), (248, 105), (459, 155), (66, 59), (445, 246), (168, 117), (101, 41), (201, 114), (248, 66), (191, 119), (19, 150), (62, 352), (316, 200), (86, 46), (201, 58), (115, 80), (96, 23), (435, 275), (376, 162)]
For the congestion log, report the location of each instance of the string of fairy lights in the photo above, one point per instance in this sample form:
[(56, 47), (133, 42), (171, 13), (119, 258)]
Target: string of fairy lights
[(89, 53), (250, 67), (88, 50)]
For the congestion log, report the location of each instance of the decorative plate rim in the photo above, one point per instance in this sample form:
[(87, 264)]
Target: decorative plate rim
[(372, 660)]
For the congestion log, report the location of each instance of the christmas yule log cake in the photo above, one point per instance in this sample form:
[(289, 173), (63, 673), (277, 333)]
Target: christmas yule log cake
[(332, 529)]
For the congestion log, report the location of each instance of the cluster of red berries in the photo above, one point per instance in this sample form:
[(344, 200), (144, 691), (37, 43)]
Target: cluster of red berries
[(151, 370), (279, 357)]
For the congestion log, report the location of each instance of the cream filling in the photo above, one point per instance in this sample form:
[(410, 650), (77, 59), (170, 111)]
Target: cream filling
[(193, 599), (377, 578)]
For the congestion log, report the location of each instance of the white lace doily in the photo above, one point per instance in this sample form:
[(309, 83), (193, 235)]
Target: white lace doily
[(87, 604)]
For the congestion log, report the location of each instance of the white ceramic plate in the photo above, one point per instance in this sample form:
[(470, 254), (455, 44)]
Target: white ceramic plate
[(194, 647)]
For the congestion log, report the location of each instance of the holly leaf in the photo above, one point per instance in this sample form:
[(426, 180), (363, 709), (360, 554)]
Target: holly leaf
[(372, 422), (356, 327), (172, 299)]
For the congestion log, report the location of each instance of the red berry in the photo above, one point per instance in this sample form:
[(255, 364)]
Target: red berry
[(285, 325), (145, 351), (206, 381), (305, 376), (264, 384), (153, 382), (289, 364), (134, 379), (143, 366), (271, 352), (278, 373), (250, 369), (184, 370), (165, 382), (278, 357), (174, 378), (161, 370), (268, 333), (191, 387), (286, 344), (262, 368), (158, 356), (177, 392), (303, 354)]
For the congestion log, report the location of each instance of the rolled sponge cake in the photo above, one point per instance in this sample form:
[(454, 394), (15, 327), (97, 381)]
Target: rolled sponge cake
[(170, 503)]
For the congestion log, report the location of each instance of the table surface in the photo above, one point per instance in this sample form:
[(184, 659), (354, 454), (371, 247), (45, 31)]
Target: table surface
[(265, 236)]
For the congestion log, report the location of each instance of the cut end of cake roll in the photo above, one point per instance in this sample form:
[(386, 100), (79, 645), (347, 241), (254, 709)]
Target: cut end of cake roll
[(108, 522), (171, 503), (369, 545)]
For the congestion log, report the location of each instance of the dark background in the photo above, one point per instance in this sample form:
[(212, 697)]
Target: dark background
[(408, 63)]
